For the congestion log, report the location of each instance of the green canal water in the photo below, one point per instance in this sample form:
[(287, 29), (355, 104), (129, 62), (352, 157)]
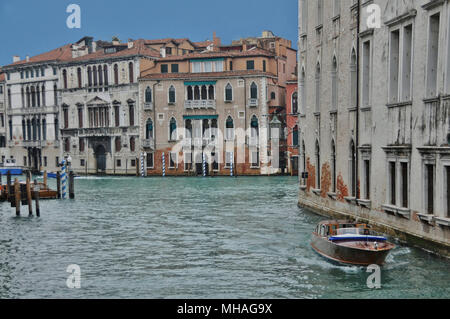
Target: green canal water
[(191, 238)]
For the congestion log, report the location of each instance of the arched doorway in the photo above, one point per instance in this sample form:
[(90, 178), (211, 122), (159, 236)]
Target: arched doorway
[(100, 156), (199, 164)]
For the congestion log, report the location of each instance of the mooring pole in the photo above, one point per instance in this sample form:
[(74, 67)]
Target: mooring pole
[(36, 198), (17, 196), (58, 184), (29, 198), (71, 185), (8, 182), (45, 179)]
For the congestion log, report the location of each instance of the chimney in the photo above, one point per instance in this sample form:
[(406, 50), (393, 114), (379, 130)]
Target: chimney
[(216, 42), (16, 58), (130, 44)]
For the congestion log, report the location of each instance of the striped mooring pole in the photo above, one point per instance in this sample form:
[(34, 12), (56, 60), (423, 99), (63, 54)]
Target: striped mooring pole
[(142, 165), (164, 164), (64, 179), (204, 165), (231, 164)]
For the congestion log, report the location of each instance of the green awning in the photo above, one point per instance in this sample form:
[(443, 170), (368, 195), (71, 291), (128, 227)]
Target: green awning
[(201, 117), (200, 83)]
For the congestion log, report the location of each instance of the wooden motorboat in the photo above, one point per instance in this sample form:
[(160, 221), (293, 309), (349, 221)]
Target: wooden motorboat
[(350, 243)]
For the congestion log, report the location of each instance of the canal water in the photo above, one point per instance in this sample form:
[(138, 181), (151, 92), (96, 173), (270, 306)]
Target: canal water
[(191, 238)]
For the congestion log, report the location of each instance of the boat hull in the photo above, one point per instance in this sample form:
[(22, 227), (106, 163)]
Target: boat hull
[(348, 255), (13, 171)]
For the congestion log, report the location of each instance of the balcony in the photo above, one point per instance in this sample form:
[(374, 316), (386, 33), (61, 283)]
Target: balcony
[(27, 144), (200, 104), (148, 106), (148, 143), (100, 131), (252, 102)]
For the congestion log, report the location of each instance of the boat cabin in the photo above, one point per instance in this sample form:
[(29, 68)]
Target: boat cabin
[(334, 228)]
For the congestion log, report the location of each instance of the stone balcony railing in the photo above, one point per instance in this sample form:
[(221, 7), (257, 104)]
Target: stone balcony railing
[(200, 104), (148, 143), (34, 110), (101, 131), (253, 102)]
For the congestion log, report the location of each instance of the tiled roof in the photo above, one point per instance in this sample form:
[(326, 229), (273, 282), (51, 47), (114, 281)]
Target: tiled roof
[(60, 54), (138, 48), (205, 75), (167, 40), (203, 44)]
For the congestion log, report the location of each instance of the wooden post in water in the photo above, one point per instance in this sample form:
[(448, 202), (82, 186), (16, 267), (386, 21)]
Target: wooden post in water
[(58, 184), (29, 197), (8, 183), (17, 196), (36, 198), (71, 185), (0, 179), (45, 179)]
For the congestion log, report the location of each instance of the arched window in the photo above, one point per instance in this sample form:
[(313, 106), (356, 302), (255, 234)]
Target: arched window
[(149, 129), (148, 95), (28, 97), (100, 75), (116, 74), (353, 79), (229, 125), (131, 72), (188, 129), (79, 78), (132, 144), (272, 96), (38, 96), (118, 144), (38, 124), (94, 71), (295, 103), (254, 126), (196, 93), (228, 93), (65, 79), (22, 92), (318, 87), (55, 94), (190, 93), (172, 94), (81, 142), (105, 74), (24, 130), (317, 165), (253, 91), (29, 136), (34, 125), (173, 130), (89, 71), (211, 92), (56, 129), (334, 92), (43, 95), (44, 129), (33, 97), (204, 93), (295, 136)]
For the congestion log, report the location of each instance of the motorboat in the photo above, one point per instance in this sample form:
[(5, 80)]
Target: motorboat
[(10, 166), (351, 243)]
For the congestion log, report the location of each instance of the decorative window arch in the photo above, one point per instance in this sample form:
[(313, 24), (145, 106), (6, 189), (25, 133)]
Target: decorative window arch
[(253, 91), (173, 129), (64, 78), (94, 71), (294, 104), (148, 95), (79, 78), (100, 75), (172, 95), (132, 144), (149, 129), (190, 93), (211, 93), (116, 74), (105, 74), (196, 93), (131, 71), (228, 93), (204, 92), (89, 71), (229, 128)]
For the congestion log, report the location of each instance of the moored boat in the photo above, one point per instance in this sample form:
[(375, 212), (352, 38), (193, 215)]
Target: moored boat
[(10, 166), (350, 243)]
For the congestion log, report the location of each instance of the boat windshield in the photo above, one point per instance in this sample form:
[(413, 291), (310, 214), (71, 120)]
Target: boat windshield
[(354, 231)]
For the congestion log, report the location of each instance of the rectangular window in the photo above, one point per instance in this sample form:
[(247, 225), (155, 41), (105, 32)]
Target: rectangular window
[(45, 161), (168, 51), (264, 65), (57, 161), (118, 163), (82, 162), (366, 74), (174, 68), (429, 192), (407, 63), (404, 184), (228, 159), (196, 67), (392, 183), (149, 160), (219, 66), (394, 66), (164, 68), (133, 163), (255, 159), (24, 161), (172, 160), (66, 118), (433, 49), (250, 65), (208, 66), (231, 65)]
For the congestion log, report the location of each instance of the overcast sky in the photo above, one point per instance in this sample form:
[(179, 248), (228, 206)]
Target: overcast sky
[(30, 27)]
